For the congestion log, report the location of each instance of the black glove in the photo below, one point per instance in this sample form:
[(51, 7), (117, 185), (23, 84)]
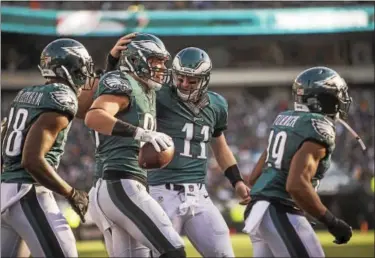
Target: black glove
[(79, 200), (337, 227)]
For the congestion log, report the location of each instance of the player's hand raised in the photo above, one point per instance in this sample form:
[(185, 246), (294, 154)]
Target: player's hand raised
[(121, 45), (79, 200), (160, 141), (243, 192)]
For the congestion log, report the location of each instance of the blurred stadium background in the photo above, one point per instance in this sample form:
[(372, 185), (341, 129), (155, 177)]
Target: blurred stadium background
[(257, 48)]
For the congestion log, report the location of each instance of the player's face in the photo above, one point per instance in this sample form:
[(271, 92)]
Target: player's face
[(187, 84), (158, 68)]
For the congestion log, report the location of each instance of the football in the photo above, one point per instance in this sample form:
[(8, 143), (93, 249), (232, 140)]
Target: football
[(149, 158)]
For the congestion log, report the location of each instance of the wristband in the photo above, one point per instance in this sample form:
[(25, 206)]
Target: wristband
[(233, 174), (123, 129), (328, 218)]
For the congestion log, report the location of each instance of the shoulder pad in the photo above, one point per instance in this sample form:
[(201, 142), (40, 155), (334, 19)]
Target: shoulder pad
[(64, 98), (115, 81), (324, 128), (216, 99)]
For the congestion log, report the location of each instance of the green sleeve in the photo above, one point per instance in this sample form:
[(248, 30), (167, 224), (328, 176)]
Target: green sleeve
[(114, 83), (319, 129), (60, 98)]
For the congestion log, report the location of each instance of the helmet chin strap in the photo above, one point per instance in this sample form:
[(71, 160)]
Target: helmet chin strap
[(356, 136), (185, 97), (301, 107), (154, 85)]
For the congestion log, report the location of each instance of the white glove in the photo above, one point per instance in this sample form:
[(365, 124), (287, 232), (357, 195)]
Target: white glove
[(155, 138)]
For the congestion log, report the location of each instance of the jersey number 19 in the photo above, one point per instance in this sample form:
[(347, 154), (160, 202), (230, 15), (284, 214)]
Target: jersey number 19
[(275, 149)]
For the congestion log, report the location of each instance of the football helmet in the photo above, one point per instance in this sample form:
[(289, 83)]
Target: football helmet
[(322, 90), (191, 70), (146, 56), (69, 60)]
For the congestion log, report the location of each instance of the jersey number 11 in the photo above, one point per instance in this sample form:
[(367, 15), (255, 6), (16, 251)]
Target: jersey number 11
[(189, 130)]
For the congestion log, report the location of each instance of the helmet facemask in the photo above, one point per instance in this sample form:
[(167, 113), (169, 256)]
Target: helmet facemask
[(190, 87), (344, 102), (83, 77)]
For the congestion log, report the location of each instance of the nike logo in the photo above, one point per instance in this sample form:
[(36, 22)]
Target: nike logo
[(205, 196)]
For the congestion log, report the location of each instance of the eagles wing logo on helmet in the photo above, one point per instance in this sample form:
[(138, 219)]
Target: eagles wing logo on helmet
[(77, 51), (324, 128), (333, 81), (148, 46), (65, 98)]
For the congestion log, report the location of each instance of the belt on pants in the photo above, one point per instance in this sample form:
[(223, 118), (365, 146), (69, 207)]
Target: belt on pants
[(118, 175), (179, 187)]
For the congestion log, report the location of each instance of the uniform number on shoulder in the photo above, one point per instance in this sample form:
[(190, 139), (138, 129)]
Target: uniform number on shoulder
[(14, 140), (189, 130), (275, 149)]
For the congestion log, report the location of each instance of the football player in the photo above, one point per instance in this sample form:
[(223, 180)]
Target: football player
[(286, 177), (199, 120), (194, 117), (122, 116), (38, 123)]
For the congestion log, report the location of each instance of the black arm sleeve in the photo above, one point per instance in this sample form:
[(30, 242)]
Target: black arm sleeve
[(123, 129), (111, 63)]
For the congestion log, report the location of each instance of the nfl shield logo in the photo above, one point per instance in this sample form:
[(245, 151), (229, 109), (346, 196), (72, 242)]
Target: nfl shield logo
[(299, 91), (191, 188)]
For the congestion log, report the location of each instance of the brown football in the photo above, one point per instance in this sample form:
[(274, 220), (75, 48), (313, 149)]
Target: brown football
[(149, 158)]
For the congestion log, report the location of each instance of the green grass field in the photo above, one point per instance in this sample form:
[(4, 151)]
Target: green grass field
[(361, 245)]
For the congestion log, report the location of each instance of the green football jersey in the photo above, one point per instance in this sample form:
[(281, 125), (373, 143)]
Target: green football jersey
[(191, 134), (288, 132), (27, 106), (121, 153)]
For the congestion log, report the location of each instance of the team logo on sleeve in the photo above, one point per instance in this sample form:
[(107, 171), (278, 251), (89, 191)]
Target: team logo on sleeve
[(115, 82), (324, 128), (64, 99)]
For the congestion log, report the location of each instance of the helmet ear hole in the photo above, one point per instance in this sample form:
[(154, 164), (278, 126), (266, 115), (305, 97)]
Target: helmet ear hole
[(328, 103)]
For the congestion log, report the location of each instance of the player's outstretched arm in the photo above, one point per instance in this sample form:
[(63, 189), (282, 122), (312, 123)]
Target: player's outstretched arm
[(101, 118), (101, 115), (228, 164), (303, 168), (39, 141), (257, 171)]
